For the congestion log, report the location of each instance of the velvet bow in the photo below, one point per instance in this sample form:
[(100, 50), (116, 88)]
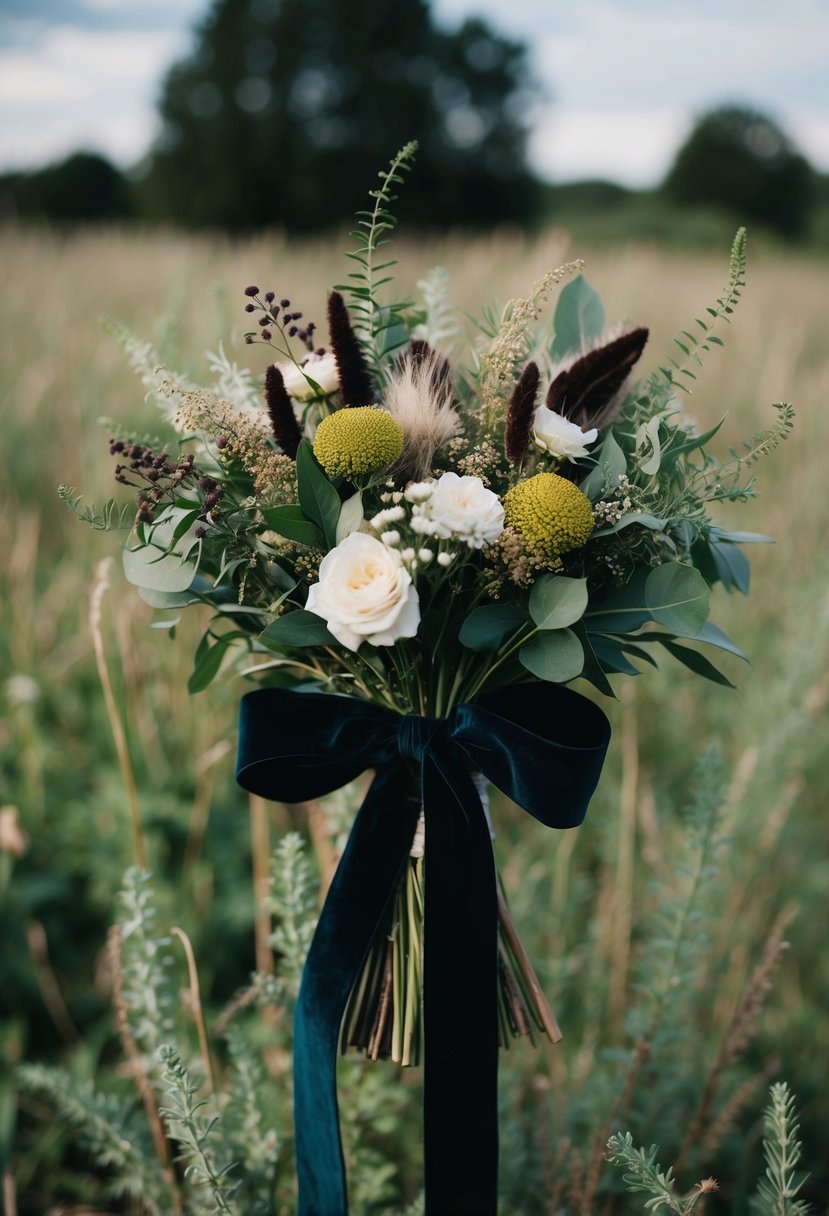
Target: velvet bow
[(543, 746)]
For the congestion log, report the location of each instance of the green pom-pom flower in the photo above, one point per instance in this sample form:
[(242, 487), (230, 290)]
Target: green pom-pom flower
[(353, 442), (551, 513)]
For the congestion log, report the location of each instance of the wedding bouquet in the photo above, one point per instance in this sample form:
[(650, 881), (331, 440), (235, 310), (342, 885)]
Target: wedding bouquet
[(426, 542)]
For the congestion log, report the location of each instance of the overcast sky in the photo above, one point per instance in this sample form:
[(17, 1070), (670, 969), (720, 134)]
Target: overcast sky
[(621, 81)]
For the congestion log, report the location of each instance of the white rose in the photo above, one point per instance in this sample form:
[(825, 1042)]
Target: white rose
[(556, 435), (462, 507), (321, 368), (365, 594)]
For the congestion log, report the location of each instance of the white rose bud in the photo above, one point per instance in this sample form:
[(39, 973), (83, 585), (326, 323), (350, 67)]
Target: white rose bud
[(365, 594), (554, 434), (322, 369)]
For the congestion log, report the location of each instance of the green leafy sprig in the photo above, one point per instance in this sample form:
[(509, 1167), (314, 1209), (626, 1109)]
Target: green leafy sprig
[(379, 328), (694, 345)]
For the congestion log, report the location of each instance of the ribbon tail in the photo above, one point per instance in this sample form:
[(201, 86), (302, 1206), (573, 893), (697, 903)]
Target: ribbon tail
[(359, 894), (460, 1094)]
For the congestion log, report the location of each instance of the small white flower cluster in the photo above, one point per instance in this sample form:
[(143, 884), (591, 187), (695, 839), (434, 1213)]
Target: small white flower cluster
[(456, 508), (449, 508)]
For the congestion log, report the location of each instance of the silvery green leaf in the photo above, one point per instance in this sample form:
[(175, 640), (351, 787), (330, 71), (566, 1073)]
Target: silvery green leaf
[(555, 655), (556, 601), (677, 597)]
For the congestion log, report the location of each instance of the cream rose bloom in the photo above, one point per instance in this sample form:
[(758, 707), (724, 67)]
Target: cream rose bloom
[(365, 594), (459, 508), (321, 368), (554, 434)]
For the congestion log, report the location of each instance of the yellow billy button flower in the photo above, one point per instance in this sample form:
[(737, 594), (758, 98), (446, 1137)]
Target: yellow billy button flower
[(550, 512), (354, 442)]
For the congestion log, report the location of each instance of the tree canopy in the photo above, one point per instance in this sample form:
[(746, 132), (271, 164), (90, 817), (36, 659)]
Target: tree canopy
[(739, 159), (286, 110)]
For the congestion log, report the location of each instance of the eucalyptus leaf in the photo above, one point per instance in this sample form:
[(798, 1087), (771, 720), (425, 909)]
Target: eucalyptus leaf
[(488, 627), (677, 597), (742, 538), (712, 635), (298, 628), (592, 671), (156, 570), (696, 662), (555, 655), (290, 522), (194, 594), (579, 319), (610, 654), (318, 498), (556, 601), (731, 565), (643, 518), (622, 610), (161, 564), (207, 667)]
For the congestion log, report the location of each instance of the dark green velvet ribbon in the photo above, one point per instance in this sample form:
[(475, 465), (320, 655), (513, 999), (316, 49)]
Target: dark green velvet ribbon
[(543, 746)]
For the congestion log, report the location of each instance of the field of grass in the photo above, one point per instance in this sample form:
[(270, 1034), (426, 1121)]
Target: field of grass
[(657, 936)]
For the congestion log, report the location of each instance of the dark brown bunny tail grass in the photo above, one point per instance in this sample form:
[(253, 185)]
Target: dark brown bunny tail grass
[(420, 352), (589, 392), (520, 413), (356, 384), (285, 427)]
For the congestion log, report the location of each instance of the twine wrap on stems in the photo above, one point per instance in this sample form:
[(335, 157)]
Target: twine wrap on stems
[(543, 746)]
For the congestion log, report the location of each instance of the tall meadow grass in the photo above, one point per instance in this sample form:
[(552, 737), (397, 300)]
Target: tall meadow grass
[(658, 936)]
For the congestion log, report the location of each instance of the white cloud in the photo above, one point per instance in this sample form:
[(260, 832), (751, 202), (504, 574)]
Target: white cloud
[(633, 147), (81, 88)]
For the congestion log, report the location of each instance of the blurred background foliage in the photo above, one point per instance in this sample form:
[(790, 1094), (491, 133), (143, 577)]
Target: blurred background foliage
[(285, 108)]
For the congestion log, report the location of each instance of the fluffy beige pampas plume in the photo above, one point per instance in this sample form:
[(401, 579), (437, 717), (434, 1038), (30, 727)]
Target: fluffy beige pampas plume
[(419, 396)]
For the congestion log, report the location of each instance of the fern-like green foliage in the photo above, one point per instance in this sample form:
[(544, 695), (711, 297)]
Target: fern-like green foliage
[(198, 1133), (777, 1192), (249, 1126), (293, 906), (149, 366), (439, 325), (379, 328), (644, 1174), (111, 517), (679, 940), (693, 345), (108, 1129), (148, 989)]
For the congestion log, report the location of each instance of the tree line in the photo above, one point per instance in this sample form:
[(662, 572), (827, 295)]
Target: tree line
[(285, 109)]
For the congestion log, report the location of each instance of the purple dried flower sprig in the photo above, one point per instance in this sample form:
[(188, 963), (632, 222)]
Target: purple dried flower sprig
[(157, 478), (277, 316)]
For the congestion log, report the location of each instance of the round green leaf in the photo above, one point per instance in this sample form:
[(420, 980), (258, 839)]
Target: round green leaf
[(555, 655), (677, 597), (556, 601), (152, 566), (488, 627), (298, 628)]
